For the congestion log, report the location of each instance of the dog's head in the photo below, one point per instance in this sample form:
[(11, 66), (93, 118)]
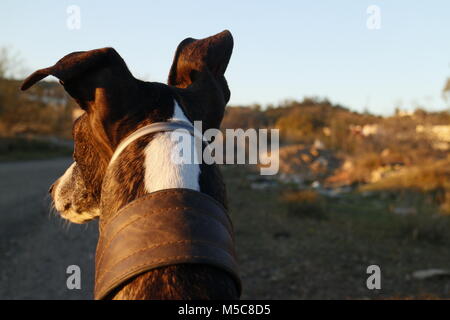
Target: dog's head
[(116, 104)]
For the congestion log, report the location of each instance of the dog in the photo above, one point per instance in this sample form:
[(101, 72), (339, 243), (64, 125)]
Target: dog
[(116, 104)]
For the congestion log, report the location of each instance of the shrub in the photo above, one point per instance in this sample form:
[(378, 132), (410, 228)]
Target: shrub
[(425, 227), (304, 203)]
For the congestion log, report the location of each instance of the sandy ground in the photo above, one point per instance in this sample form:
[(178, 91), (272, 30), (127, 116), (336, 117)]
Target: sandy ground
[(36, 246)]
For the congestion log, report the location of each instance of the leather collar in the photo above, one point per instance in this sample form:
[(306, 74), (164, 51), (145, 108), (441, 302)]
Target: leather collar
[(167, 227)]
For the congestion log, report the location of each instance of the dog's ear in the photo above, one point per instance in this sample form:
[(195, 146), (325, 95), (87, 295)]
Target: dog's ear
[(95, 80), (194, 55), (80, 72), (199, 67)]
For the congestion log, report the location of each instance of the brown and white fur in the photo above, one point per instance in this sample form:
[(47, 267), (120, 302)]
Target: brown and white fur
[(116, 105)]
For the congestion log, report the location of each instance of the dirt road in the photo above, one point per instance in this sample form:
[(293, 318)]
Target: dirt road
[(36, 246)]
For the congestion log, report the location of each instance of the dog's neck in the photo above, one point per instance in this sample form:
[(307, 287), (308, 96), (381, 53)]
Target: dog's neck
[(146, 166)]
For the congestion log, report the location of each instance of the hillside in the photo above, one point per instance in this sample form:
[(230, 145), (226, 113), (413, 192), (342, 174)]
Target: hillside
[(332, 149)]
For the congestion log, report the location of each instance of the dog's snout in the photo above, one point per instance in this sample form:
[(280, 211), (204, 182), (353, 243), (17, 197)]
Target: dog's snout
[(52, 189)]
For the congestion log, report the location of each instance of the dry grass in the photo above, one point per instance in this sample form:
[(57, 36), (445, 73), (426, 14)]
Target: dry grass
[(283, 256), (304, 203), (431, 178)]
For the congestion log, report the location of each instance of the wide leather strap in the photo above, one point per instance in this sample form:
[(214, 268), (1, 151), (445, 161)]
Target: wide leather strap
[(168, 227)]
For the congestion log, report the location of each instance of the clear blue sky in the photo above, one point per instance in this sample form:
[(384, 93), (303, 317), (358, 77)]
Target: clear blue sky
[(283, 49)]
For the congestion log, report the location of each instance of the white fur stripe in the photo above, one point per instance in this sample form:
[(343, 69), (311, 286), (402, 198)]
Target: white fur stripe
[(60, 200), (161, 172)]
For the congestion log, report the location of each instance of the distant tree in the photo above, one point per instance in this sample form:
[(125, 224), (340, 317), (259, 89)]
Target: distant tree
[(298, 125), (44, 109), (3, 62), (420, 113), (446, 92), (11, 64)]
